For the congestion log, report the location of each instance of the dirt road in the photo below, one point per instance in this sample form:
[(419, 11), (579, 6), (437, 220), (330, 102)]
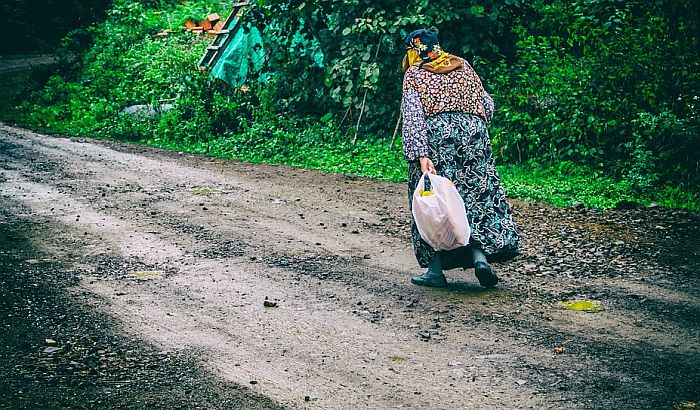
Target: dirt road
[(143, 278)]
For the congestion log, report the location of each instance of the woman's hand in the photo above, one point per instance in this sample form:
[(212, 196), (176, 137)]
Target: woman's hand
[(426, 165)]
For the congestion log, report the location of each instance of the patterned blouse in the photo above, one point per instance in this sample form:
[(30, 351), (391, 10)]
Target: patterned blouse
[(426, 94)]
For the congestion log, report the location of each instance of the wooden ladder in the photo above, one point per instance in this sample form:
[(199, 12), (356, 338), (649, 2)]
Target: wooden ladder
[(224, 36)]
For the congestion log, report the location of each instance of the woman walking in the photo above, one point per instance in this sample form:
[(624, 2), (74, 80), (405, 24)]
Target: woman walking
[(445, 113)]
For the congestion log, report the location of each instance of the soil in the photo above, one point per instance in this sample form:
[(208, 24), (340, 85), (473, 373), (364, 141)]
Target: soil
[(141, 278)]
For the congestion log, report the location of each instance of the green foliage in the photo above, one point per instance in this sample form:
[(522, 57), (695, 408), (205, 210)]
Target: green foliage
[(294, 143), (568, 184), (362, 42), (297, 144), (602, 93), (573, 80), (127, 66), (610, 84)]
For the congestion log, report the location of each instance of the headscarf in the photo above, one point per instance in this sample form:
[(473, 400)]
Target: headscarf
[(423, 48)]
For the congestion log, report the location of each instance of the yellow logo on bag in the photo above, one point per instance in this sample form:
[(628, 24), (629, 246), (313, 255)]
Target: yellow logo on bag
[(425, 193)]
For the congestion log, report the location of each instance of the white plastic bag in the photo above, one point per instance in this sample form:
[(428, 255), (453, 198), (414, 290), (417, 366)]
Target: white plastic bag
[(440, 214)]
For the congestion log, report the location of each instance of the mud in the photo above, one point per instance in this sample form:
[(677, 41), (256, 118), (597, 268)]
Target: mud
[(171, 280)]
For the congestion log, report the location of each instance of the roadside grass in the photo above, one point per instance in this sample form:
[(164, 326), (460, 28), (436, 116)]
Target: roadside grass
[(590, 188), (321, 147), (127, 66)]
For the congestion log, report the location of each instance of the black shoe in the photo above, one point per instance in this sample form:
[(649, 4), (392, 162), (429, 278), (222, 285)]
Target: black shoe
[(430, 279), (485, 275)]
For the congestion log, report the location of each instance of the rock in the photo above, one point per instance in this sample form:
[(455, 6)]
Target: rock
[(51, 350), (146, 110)]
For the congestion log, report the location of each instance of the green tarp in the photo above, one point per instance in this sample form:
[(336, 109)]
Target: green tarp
[(246, 51)]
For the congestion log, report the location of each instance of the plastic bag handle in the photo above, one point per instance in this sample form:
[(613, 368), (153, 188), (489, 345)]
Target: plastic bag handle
[(430, 182)]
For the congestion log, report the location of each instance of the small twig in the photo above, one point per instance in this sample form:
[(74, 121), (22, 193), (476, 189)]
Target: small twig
[(359, 117), (364, 98), (345, 116), (396, 130)]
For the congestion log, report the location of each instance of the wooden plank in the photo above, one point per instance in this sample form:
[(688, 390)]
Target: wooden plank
[(205, 24), (226, 41), (224, 37)]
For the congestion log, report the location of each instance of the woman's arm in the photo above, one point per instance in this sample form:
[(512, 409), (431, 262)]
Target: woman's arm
[(414, 132)]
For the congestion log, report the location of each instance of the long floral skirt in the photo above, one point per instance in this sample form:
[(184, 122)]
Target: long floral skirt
[(461, 151)]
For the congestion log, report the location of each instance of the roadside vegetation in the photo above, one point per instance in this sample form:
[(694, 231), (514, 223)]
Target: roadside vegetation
[(597, 100)]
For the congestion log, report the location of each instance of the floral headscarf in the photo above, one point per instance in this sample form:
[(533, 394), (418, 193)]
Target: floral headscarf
[(425, 42), (423, 48)]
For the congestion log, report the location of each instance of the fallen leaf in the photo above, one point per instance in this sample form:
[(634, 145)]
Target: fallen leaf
[(583, 305), (204, 190), (145, 274), (559, 350)]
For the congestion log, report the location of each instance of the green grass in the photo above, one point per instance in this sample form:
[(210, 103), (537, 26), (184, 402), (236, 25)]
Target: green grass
[(322, 148), (126, 65), (586, 187)]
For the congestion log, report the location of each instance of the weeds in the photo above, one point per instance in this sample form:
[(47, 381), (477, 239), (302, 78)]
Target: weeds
[(126, 66)]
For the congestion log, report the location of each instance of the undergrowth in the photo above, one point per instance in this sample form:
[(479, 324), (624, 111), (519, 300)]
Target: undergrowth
[(321, 147), (126, 65)]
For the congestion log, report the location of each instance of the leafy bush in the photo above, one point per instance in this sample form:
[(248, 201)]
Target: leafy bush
[(609, 84), (362, 44), (589, 90)]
